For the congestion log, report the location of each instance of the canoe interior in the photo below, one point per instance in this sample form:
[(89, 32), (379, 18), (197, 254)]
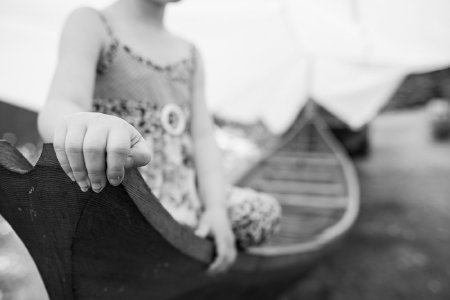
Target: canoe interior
[(316, 185)]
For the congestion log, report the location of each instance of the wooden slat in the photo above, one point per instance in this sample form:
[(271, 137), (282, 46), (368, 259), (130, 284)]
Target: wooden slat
[(298, 146), (296, 230), (300, 167), (299, 160), (307, 138), (307, 212), (300, 225), (314, 155), (310, 188), (311, 175), (311, 201), (313, 140)]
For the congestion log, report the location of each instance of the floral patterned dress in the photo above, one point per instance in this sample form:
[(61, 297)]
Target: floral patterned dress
[(157, 101)]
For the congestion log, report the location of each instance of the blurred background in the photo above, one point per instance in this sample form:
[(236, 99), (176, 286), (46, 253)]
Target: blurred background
[(380, 70)]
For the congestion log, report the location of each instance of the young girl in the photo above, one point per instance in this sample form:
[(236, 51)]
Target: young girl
[(125, 91)]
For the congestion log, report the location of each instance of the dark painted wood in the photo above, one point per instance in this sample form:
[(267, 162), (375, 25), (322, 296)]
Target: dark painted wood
[(19, 121), (101, 246), (89, 245)]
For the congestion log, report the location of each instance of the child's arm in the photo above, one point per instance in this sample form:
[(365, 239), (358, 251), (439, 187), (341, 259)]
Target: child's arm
[(73, 81), (210, 178), (81, 138)]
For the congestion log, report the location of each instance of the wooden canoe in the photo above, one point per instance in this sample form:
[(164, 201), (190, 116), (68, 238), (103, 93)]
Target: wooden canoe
[(122, 244)]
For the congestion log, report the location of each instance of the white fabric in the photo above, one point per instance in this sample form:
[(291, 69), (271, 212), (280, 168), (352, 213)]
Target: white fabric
[(264, 58)]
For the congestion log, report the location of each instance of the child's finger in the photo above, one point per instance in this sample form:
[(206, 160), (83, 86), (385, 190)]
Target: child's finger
[(59, 142), (140, 154), (226, 255), (202, 230), (74, 151), (218, 265), (94, 150), (117, 152)]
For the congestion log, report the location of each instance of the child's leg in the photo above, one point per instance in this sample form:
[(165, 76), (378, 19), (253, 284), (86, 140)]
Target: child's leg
[(254, 216)]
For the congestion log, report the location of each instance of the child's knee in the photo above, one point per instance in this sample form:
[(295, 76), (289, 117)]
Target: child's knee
[(254, 216)]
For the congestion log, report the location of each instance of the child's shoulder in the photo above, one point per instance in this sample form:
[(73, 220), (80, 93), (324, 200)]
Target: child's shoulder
[(182, 46), (85, 23), (84, 13), (85, 17), (182, 41)]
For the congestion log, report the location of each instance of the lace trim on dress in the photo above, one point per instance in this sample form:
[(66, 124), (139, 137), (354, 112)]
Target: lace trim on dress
[(178, 71)]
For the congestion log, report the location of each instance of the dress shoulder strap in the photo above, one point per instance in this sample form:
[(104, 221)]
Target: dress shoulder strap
[(106, 25), (193, 56), (109, 50)]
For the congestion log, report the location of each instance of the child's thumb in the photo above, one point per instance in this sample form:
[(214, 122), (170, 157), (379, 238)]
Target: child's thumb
[(139, 156)]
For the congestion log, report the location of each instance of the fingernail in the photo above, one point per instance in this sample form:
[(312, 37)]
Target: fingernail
[(116, 180), (71, 176), (84, 186), (97, 187)]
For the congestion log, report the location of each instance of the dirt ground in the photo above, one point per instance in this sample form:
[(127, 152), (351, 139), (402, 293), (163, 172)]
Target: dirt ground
[(399, 247)]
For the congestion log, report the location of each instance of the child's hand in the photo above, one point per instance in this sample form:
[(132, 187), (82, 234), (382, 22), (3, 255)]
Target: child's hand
[(215, 222), (93, 147)]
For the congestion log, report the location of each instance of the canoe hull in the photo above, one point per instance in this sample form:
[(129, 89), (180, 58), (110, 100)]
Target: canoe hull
[(89, 245)]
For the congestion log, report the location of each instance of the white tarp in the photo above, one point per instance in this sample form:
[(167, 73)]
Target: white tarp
[(263, 57)]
